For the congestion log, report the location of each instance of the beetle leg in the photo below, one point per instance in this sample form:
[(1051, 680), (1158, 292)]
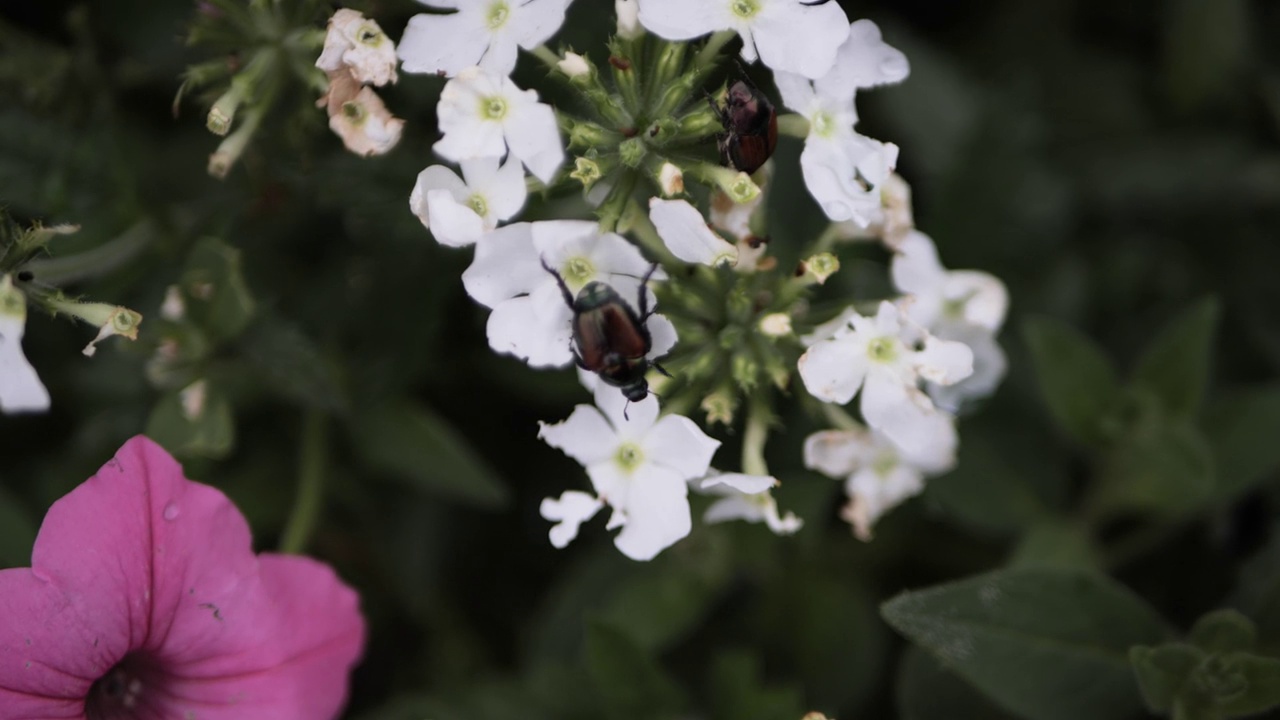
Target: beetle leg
[(643, 304), (564, 289), (660, 369)]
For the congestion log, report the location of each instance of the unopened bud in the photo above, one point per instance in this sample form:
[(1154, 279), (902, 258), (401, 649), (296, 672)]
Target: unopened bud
[(585, 134), (173, 307), (776, 324), (670, 179), (574, 65), (631, 152), (822, 266), (629, 27), (744, 371)]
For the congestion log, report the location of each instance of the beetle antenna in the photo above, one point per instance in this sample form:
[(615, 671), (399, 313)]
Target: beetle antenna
[(564, 289), (645, 312), (624, 410)]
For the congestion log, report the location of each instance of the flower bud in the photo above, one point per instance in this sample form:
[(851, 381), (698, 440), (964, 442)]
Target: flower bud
[(586, 134), (821, 266), (632, 152), (744, 370), (110, 319), (574, 65), (776, 324), (670, 179), (173, 307), (629, 27), (719, 406)]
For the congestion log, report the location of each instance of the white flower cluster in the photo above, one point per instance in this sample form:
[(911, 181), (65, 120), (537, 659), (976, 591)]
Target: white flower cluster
[(358, 54)]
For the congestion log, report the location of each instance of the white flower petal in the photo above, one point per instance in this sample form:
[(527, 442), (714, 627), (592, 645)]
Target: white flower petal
[(442, 43), (916, 268), (631, 420), (844, 178), (871, 495), (837, 453), (20, 386), (568, 512), (864, 60), (503, 188), (748, 484), (678, 443), (799, 38), (833, 370), (663, 335), (585, 436), (795, 90), (944, 361), (682, 19), (535, 328), (533, 22), (505, 265), (455, 225), (466, 133), (534, 137), (657, 513), (434, 177), (686, 235), (905, 415), (983, 295), (357, 45), (989, 366)]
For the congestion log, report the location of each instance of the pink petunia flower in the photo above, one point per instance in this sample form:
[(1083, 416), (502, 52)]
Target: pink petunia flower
[(144, 600)]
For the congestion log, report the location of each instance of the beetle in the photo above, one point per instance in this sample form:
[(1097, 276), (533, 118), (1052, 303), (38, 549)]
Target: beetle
[(609, 338), (751, 127)]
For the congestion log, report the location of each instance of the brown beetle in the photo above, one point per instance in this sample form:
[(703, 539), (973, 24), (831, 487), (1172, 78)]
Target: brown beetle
[(751, 127)]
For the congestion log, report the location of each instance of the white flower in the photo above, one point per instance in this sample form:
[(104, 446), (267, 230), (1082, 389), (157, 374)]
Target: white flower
[(686, 235), (786, 35), (842, 169), (628, 12), (747, 497), (481, 32), (966, 306), (359, 117), (530, 318), (878, 474), (638, 465), (483, 114), (892, 221), (459, 211), (20, 386), (879, 357), (359, 46), (573, 65)]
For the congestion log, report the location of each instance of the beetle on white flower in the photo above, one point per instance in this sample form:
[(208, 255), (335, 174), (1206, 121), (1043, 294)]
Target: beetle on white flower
[(20, 386), (483, 114), (842, 169), (458, 210), (788, 35), (878, 474), (885, 358), (482, 32), (530, 319), (639, 465)]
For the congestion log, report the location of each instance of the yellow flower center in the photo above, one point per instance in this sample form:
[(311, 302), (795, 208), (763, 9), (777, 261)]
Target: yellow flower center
[(493, 108), (498, 14), (629, 457), (883, 349), (745, 9)]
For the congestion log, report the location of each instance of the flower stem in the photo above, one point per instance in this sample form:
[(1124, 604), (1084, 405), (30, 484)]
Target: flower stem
[(97, 262), (839, 417), (793, 125), (754, 438), (546, 55), (707, 55), (310, 498)]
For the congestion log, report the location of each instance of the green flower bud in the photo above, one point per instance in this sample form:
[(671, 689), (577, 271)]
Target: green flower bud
[(821, 266), (632, 152)]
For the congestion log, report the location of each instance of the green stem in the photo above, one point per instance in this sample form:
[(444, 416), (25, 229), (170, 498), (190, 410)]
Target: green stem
[(309, 502), (793, 125), (839, 417), (610, 211), (826, 240), (547, 56), (102, 260), (754, 437), (707, 55)]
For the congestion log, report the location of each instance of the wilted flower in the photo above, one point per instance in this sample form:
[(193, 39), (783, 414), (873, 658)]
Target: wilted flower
[(360, 118), (638, 464), (357, 45), (481, 32), (144, 599)]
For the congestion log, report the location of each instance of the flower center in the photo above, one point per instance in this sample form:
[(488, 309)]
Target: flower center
[(629, 457), (124, 691), (822, 124), (883, 349), (745, 9), (884, 464), (369, 35), (578, 271), (498, 14), (493, 107), (954, 307), (477, 202), (354, 112)]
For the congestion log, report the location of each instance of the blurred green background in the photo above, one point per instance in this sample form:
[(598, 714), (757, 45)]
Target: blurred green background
[(1117, 164)]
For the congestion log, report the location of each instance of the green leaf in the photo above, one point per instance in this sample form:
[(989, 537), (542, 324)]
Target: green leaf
[(1056, 544), (1224, 631), (995, 483), (1258, 595), (289, 364), (739, 692), (1241, 429), (410, 443), (1245, 683), (925, 690), (1045, 644), (1206, 48), (1163, 672), (17, 533), (630, 682), (1160, 467), (207, 431), (216, 294), (1175, 366), (1078, 381)]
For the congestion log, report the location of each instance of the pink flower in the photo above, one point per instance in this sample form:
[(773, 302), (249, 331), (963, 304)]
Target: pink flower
[(144, 600)]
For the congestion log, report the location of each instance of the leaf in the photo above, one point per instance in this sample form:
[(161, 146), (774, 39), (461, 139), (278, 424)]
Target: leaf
[(1241, 430), (1163, 671), (290, 364), (210, 433), (925, 690), (631, 684), (1206, 48), (1246, 683), (739, 692), (1077, 379), (1175, 366), (217, 297), (1045, 644), (410, 443), (1224, 631), (1057, 544), (1161, 467), (1258, 595)]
